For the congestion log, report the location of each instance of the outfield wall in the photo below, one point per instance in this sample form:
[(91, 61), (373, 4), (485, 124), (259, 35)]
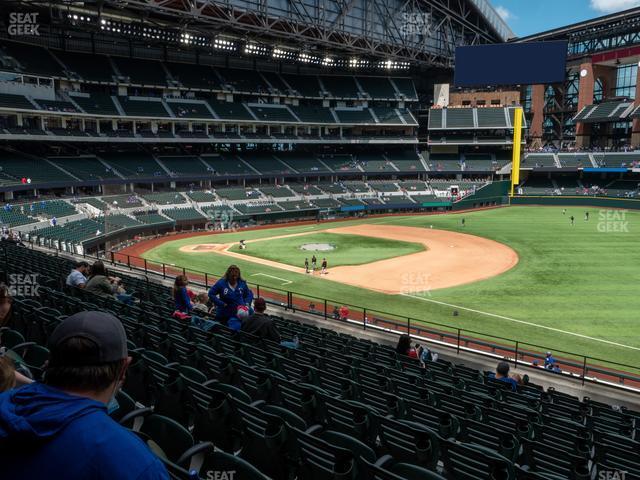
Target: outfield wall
[(491, 195)]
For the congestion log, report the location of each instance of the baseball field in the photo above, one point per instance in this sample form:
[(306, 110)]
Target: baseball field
[(523, 273)]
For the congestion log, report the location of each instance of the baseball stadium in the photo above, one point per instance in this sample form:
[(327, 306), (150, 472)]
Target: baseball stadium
[(364, 240)]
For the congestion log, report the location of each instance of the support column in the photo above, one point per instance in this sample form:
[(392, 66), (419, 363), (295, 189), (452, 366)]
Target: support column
[(635, 124), (536, 128), (585, 97)]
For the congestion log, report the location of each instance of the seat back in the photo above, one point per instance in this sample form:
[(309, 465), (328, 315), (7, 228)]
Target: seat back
[(10, 338), (469, 462), (168, 439), (318, 460), (487, 436), (409, 442), (265, 439), (350, 417)]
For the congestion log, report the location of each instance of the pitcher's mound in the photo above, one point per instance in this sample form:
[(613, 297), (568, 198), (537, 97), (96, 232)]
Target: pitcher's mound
[(318, 247)]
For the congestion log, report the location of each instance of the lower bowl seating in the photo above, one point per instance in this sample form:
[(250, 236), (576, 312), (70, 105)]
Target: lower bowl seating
[(335, 407)]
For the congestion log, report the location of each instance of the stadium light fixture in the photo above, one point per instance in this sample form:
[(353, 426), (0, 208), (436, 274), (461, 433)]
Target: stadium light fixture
[(255, 49), (283, 54), (393, 65), (74, 18), (355, 62), (328, 62), (224, 44), (305, 57)]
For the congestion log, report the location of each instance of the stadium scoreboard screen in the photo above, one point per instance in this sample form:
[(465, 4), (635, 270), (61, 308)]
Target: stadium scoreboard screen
[(510, 64)]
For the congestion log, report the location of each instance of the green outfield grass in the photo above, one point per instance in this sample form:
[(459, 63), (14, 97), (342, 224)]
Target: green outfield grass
[(348, 249), (574, 288)]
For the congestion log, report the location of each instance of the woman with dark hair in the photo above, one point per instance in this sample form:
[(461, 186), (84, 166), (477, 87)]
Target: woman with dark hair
[(98, 281), (404, 347), (180, 294), (232, 298), (101, 284)]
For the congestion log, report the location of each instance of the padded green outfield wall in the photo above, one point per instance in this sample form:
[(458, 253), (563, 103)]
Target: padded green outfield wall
[(605, 202), (493, 194)]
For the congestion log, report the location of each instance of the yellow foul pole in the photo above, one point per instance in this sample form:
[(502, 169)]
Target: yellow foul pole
[(517, 139)]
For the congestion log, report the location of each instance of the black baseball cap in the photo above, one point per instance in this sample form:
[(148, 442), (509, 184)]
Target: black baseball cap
[(101, 328)]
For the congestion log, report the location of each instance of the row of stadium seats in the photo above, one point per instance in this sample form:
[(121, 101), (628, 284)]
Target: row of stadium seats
[(14, 215), (246, 202), (107, 166), (37, 60), (155, 107), (534, 185), (335, 406), (581, 160), (496, 118), (204, 133), (32, 59), (489, 162)]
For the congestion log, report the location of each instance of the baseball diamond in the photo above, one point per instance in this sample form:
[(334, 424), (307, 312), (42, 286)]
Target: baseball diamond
[(505, 261)]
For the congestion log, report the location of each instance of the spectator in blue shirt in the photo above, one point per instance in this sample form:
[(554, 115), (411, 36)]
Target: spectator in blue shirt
[(229, 293), (502, 375), (61, 428), (78, 276), (549, 361), (181, 295)]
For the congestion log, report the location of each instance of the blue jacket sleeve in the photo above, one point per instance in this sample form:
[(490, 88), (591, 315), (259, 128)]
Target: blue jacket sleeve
[(213, 295), (155, 471), (186, 299)]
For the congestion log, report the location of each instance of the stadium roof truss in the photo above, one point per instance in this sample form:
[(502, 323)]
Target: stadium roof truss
[(423, 32), (617, 30)]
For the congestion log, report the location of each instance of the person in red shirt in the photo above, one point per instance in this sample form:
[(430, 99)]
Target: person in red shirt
[(404, 347), (344, 312)]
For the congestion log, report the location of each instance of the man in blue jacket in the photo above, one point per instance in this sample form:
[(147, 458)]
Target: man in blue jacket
[(502, 375), (229, 293), (60, 428), (549, 361)]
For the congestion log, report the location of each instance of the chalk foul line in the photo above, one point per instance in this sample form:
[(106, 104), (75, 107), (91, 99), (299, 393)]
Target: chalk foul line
[(524, 322), (283, 280)]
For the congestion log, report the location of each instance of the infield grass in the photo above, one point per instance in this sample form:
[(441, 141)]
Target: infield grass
[(347, 249)]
